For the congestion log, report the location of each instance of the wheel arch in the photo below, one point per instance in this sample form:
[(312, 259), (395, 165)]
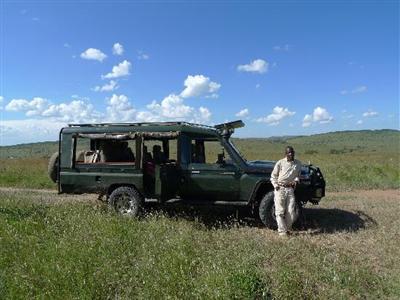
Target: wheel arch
[(114, 186), (261, 188)]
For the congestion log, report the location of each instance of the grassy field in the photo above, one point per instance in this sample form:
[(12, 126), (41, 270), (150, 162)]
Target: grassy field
[(62, 247), (349, 160)]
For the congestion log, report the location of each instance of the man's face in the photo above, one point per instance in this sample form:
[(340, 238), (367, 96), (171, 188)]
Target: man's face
[(289, 154)]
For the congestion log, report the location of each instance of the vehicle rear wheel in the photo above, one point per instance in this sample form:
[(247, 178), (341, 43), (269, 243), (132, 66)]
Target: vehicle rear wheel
[(127, 201), (53, 167), (266, 212)]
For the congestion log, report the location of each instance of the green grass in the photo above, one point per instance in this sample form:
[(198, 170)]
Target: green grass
[(60, 249)]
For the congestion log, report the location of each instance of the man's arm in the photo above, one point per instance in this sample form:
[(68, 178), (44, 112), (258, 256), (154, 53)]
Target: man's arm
[(275, 175), (298, 172)]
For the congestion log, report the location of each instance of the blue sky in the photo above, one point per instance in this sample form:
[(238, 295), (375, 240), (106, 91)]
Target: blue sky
[(285, 68)]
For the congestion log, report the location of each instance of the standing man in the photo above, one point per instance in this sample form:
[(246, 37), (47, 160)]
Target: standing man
[(284, 178)]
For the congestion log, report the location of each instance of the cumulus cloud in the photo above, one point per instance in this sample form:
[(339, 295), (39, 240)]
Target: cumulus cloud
[(74, 111), (320, 115), (356, 90), (108, 87), (93, 54), (199, 85), (117, 49), (120, 109), (278, 114), (171, 107), (256, 66), (359, 122), (369, 114), (243, 113), (32, 108), (1, 101), (120, 70)]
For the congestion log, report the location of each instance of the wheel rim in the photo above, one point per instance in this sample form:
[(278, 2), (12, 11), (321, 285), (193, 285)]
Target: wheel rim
[(124, 205)]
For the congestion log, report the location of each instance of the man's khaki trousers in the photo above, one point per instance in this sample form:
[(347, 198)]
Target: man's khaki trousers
[(285, 209)]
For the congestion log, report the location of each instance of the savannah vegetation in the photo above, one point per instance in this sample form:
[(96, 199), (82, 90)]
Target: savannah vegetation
[(65, 246), (62, 246)]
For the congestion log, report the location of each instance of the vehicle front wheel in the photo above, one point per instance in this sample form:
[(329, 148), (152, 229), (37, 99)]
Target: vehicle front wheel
[(266, 211), (127, 201), (267, 216)]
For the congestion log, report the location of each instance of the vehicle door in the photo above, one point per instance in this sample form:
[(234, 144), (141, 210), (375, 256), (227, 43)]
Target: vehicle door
[(211, 174)]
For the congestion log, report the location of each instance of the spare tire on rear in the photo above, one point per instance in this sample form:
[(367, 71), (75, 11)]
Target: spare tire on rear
[(53, 167)]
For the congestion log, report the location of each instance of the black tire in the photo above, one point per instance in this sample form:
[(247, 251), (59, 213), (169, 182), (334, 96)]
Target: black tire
[(52, 167), (126, 201), (266, 212)]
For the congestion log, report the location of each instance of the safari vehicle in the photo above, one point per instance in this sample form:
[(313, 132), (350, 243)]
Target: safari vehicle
[(129, 163)]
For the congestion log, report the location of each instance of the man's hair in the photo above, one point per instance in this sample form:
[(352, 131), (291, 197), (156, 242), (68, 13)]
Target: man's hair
[(290, 148)]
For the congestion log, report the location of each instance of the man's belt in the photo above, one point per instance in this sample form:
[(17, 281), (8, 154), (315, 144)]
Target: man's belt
[(286, 184)]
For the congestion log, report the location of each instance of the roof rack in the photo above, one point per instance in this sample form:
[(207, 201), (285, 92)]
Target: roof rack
[(142, 124)]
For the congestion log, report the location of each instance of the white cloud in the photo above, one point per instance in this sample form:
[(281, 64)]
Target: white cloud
[(256, 66), (119, 109), (93, 54), (66, 45), (285, 48), (171, 107), (143, 56), (76, 111), (356, 90), (307, 120), (278, 114), (32, 108), (319, 115), (369, 114), (359, 122), (243, 113), (118, 49), (1, 101), (199, 85), (204, 114), (258, 85), (120, 70), (108, 87)]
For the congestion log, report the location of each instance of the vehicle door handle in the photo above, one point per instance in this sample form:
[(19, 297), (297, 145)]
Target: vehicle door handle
[(228, 173), (195, 172)]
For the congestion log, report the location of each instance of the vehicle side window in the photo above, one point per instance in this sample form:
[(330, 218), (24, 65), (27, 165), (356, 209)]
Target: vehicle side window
[(107, 151), (208, 152)]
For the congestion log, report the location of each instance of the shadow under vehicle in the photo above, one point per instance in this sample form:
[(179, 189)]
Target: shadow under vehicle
[(170, 161)]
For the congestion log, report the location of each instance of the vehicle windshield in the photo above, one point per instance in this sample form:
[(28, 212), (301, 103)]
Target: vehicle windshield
[(234, 148)]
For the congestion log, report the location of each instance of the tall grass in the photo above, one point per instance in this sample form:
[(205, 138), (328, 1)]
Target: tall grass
[(83, 250)]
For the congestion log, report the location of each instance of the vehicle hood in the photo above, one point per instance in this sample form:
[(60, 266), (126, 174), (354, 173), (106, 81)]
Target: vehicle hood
[(260, 166)]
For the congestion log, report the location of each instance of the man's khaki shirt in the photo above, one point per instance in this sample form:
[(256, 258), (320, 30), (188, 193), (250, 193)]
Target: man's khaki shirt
[(285, 172)]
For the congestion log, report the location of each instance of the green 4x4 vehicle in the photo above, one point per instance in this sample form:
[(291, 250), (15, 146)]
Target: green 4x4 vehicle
[(129, 163)]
